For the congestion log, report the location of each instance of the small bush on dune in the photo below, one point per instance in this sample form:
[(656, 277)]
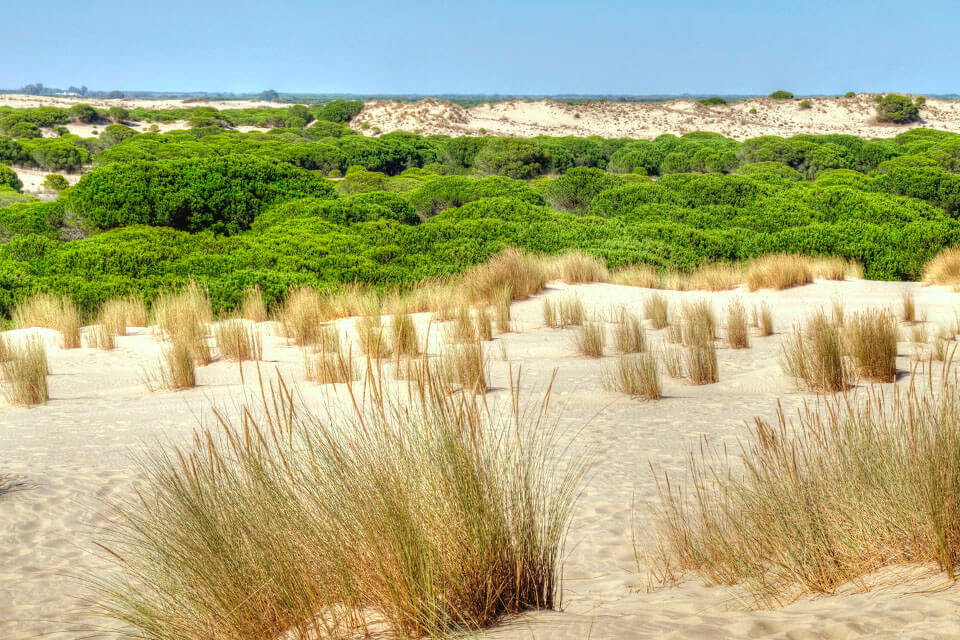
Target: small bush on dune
[(237, 341), (634, 374), (25, 369), (423, 513), (944, 268), (778, 271), (655, 310), (846, 489), (590, 339), (738, 334), (871, 341), (252, 306), (50, 312), (814, 355)]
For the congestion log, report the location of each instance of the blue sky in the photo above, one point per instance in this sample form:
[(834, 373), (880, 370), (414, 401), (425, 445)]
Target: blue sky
[(530, 47)]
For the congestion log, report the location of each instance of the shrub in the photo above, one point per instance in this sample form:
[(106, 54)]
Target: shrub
[(898, 109), (805, 104), (575, 189), (512, 157), (55, 182), (821, 501), (118, 114), (9, 178), (83, 113), (709, 102), (850, 94), (339, 110), (781, 95)]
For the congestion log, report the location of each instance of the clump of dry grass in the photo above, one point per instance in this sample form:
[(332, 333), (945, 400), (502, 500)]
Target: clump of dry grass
[(655, 310), (635, 374), (464, 366), (778, 271), (176, 370), (330, 361), (674, 334), (629, 336), (484, 325), (252, 306), (909, 306), (373, 338), (184, 317), (237, 341), (637, 276), (102, 337), (835, 268), (763, 319), (701, 358), (423, 513), (403, 333), (25, 369), (871, 340), (719, 276), (699, 324), (672, 358), (577, 267), (50, 312), (944, 268), (814, 355), (500, 307), (849, 487), (590, 339), (523, 274), (738, 334), (565, 312), (303, 314), (118, 314)]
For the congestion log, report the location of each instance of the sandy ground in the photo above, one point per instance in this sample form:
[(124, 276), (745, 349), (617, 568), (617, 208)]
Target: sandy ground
[(78, 450), (20, 101), (853, 116), (32, 180)]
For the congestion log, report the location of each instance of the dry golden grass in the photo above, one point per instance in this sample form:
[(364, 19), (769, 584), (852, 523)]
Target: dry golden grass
[(500, 307), (778, 271), (373, 337), (118, 314), (484, 325), (675, 281), (635, 374), (699, 324), (701, 358), (50, 312), (764, 319), (101, 336), (524, 275), (302, 315), (655, 310), (909, 308), (629, 336), (738, 334), (814, 355), (564, 312), (577, 267), (403, 333), (944, 268), (674, 334), (636, 276), (252, 306), (25, 369), (176, 369), (238, 341), (720, 276), (851, 486), (835, 268), (870, 338), (464, 366), (330, 361), (672, 358), (590, 339), (175, 310), (419, 513), (919, 334)]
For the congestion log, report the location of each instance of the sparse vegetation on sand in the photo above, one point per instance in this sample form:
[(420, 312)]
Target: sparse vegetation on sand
[(814, 355), (848, 487), (655, 309), (635, 374), (25, 369), (425, 512), (779, 271), (944, 268), (50, 312), (238, 341)]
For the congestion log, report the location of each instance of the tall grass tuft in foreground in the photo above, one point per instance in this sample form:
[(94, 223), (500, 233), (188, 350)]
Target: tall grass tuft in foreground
[(778, 271), (814, 355), (50, 312), (634, 374), (252, 306), (25, 369), (237, 341), (738, 334), (944, 268), (871, 341), (849, 487), (421, 512), (655, 310)]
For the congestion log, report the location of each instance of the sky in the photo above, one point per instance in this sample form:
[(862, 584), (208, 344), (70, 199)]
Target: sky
[(809, 47)]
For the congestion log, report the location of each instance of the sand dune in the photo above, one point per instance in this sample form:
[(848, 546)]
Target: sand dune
[(80, 449)]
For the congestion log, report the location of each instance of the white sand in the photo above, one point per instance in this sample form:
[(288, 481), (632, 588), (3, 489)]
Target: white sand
[(76, 450)]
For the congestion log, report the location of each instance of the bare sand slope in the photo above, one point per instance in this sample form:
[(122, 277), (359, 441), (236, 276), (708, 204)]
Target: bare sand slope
[(78, 449), (854, 116)]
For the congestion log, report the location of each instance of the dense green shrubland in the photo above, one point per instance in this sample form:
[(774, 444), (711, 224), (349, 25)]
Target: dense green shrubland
[(233, 209)]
